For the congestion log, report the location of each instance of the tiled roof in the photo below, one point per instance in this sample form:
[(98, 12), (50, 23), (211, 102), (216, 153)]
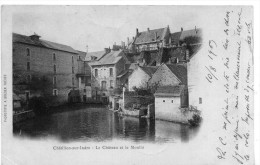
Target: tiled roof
[(149, 36), (110, 58), (175, 37), (42, 43), (173, 91), (179, 71), (98, 55), (150, 70), (193, 32)]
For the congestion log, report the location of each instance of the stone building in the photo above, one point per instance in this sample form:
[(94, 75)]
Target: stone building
[(168, 103), (140, 77), (84, 78), (195, 82), (104, 74), (192, 36), (169, 75), (151, 39), (43, 68)]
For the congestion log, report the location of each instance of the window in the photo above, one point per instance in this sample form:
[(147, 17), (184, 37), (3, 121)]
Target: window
[(28, 52), (72, 59), (28, 66), (27, 96), (54, 80), (111, 72), (79, 58), (28, 79), (172, 101), (103, 85), (55, 92), (111, 84), (72, 81), (54, 68), (96, 72), (54, 57), (200, 100), (72, 69), (163, 100)]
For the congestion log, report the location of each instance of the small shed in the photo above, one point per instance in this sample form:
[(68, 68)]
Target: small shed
[(169, 100)]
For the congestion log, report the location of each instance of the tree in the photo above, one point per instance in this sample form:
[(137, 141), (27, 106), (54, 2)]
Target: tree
[(192, 40)]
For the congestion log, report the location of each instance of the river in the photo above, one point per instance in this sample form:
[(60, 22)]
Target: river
[(100, 124)]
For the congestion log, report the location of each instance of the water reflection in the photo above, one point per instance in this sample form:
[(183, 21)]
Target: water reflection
[(99, 124)]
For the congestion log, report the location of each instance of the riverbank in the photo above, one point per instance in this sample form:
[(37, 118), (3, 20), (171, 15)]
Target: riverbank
[(73, 107)]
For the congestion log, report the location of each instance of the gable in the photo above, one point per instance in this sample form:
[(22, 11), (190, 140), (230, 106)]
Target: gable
[(164, 77)]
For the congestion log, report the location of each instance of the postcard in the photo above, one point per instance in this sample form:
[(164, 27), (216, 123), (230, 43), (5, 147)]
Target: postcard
[(128, 84)]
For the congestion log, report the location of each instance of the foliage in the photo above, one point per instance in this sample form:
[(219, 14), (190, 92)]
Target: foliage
[(142, 91), (38, 104), (195, 121), (192, 40)]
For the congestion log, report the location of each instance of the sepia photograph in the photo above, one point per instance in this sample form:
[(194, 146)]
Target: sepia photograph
[(142, 82)]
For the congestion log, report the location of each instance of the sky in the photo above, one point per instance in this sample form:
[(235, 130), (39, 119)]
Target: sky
[(99, 26)]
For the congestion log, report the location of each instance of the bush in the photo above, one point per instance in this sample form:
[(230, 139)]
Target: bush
[(195, 121)]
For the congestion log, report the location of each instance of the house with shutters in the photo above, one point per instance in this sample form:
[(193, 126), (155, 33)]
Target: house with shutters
[(104, 74)]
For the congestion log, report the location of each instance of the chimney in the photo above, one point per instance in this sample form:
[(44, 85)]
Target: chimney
[(114, 43), (123, 45), (148, 29), (106, 50), (195, 29), (181, 29), (155, 36), (187, 54), (35, 37), (137, 32), (86, 49), (127, 41)]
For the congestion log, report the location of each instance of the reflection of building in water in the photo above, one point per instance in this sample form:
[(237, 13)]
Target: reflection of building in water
[(134, 128), (165, 131)]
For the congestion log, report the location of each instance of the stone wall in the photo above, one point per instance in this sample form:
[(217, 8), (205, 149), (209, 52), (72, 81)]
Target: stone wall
[(42, 65)]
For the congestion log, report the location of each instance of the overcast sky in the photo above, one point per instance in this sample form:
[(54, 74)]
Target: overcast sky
[(99, 26)]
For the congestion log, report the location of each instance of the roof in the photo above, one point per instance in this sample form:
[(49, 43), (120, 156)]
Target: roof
[(98, 55), (179, 71), (175, 37), (150, 70), (110, 58), (42, 43), (82, 54), (149, 36), (194, 32), (169, 91)]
